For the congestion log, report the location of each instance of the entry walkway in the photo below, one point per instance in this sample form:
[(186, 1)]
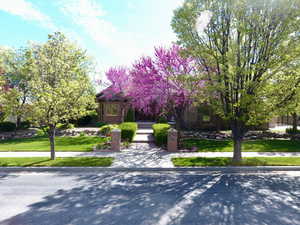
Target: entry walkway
[(144, 133), (146, 155)]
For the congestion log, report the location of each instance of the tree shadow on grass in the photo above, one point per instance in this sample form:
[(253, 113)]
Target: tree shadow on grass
[(185, 199)]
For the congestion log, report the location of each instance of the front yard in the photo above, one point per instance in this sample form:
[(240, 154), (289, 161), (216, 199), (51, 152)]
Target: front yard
[(64, 162), (248, 146), (41, 144)]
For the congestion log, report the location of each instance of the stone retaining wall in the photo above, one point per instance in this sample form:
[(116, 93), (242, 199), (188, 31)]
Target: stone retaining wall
[(252, 135)]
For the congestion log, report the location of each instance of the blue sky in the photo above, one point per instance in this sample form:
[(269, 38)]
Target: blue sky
[(114, 32)]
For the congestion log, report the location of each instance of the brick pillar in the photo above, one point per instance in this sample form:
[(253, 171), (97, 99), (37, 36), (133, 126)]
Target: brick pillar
[(172, 140), (116, 140)]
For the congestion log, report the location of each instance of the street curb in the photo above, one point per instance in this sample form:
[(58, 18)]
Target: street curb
[(259, 169)]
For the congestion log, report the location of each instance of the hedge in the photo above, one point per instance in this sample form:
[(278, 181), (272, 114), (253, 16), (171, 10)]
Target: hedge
[(292, 131), (65, 126), (128, 130), (7, 126), (107, 129), (160, 132), (24, 125), (86, 120), (130, 116)]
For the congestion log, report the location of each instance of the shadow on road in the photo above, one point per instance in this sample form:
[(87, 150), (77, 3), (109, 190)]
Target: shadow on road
[(158, 199)]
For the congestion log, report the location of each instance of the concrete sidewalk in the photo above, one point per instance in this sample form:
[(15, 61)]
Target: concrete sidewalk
[(146, 156)]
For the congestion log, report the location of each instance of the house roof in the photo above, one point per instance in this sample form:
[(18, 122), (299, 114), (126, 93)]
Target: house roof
[(108, 95)]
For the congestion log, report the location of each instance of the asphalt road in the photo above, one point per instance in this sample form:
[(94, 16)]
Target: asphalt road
[(119, 198)]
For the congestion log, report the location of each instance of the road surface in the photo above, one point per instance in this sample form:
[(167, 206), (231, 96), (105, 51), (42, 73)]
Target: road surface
[(135, 198)]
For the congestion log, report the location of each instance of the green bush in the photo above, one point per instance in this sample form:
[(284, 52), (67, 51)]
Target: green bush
[(128, 130), (100, 124), (65, 126), (161, 119), (41, 133), (106, 129), (105, 144), (82, 134), (292, 131), (160, 132), (129, 116), (86, 120), (7, 126), (24, 125)]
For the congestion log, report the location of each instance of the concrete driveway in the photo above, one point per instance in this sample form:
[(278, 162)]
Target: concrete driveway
[(120, 198)]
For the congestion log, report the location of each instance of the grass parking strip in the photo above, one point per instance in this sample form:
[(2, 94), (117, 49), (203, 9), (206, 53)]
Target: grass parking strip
[(58, 162), (226, 161)]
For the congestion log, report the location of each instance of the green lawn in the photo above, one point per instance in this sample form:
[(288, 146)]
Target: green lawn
[(224, 161), (44, 161), (248, 146), (63, 144)]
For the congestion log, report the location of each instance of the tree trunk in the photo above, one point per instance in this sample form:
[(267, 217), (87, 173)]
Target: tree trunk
[(179, 117), (295, 122), (238, 132), (18, 122), (180, 124), (51, 133)]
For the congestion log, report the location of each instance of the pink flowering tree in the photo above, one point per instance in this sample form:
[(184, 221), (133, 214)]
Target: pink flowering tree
[(165, 83)]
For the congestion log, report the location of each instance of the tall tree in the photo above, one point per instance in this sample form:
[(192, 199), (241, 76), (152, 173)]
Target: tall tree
[(61, 86), (18, 75), (244, 40)]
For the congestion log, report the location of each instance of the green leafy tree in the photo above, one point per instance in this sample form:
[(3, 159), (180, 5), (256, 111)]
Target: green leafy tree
[(4, 88), (246, 42), (2, 96), (284, 91), (18, 75), (60, 85)]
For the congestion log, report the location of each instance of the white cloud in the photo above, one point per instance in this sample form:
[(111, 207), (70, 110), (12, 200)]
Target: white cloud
[(123, 45), (27, 11), (88, 15)]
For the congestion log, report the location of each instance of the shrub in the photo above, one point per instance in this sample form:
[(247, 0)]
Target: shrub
[(292, 131), (24, 125), (161, 119), (86, 120), (160, 132), (128, 130), (100, 124), (41, 133), (105, 144), (106, 129), (82, 134), (129, 116), (65, 126), (7, 126)]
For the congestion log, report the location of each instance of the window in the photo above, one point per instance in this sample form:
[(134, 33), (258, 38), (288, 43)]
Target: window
[(112, 109)]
